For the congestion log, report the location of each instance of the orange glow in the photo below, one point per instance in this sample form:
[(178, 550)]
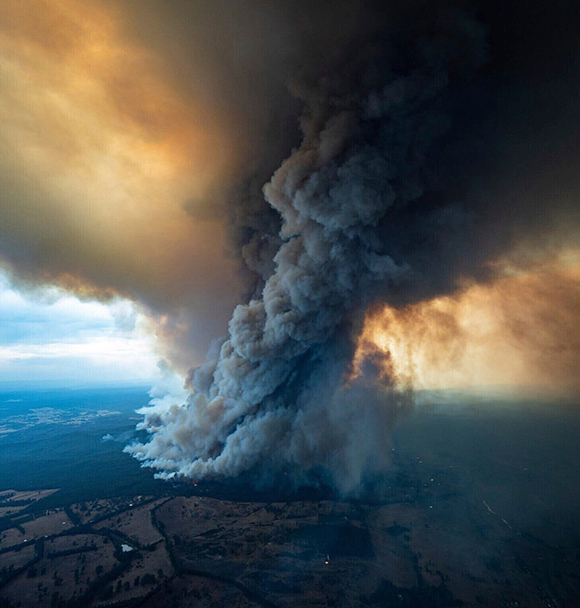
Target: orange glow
[(98, 152), (90, 118), (93, 116), (519, 330)]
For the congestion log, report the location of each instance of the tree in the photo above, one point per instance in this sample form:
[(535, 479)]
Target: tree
[(148, 579)]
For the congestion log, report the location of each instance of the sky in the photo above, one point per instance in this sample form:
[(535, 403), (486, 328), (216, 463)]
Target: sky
[(99, 152), (54, 339), (502, 333)]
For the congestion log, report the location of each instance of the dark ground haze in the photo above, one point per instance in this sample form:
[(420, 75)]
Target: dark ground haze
[(521, 456), (481, 501)]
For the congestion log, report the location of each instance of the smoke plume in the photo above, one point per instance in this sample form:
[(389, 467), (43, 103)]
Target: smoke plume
[(376, 203), (520, 331), (312, 160)]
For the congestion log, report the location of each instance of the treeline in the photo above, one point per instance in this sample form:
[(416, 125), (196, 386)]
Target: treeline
[(74, 551)]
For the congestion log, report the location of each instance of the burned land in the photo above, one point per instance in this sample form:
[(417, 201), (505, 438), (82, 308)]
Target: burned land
[(441, 531)]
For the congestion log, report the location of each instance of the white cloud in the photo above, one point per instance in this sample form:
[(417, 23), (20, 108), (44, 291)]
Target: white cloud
[(54, 337)]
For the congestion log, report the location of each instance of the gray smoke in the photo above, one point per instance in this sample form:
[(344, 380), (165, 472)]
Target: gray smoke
[(272, 389), (417, 168)]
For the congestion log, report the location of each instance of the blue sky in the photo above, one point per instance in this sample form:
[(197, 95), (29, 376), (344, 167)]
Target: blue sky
[(52, 338)]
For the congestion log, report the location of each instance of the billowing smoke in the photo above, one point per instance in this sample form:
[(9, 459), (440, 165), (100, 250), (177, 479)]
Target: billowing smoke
[(319, 157), (364, 215), (135, 138), (519, 331)]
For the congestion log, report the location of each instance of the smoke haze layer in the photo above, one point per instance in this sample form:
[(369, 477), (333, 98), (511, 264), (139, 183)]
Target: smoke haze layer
[(517, 331)]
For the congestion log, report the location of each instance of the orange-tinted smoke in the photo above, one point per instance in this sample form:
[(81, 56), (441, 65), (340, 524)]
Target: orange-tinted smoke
[(519, 330), (98, 152)]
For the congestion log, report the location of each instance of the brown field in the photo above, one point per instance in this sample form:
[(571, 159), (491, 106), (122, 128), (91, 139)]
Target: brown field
[(16, 559), (67, 576), (28, 495), (11, 537), (46, 523), (100, 509), (135, 524), (13, 502), (190, 517), (7, 511), (437, 549), (52, 522), (199, 592), (155, 563), (59, 544)]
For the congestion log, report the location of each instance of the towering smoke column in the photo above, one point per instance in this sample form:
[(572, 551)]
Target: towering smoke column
[(426, 161), (142, 148), (273, 390)]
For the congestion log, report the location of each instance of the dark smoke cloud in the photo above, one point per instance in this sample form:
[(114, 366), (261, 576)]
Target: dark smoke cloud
[(382, 200), (96, 95)]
